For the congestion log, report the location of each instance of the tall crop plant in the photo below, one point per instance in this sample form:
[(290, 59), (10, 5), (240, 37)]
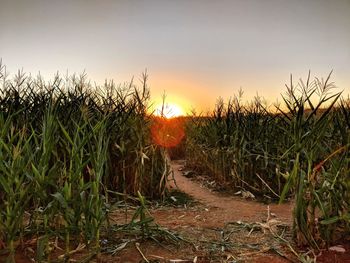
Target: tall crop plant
[(308, 131), (234, 143), (15, 156), (65, 147), (302, 150)]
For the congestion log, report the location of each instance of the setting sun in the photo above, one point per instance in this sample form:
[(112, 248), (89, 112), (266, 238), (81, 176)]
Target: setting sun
[(169, 110)]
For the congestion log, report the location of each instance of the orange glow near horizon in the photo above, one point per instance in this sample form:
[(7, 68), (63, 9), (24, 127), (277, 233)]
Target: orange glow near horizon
[(168, 110), (170, 105)]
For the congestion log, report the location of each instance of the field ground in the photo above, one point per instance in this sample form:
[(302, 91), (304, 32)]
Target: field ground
[(210, 227), (220, 228)]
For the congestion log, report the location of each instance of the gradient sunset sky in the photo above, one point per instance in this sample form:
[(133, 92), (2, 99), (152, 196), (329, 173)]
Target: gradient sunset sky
[(195, 51)]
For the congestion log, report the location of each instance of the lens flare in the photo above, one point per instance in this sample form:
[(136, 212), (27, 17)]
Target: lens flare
[(167, 132)]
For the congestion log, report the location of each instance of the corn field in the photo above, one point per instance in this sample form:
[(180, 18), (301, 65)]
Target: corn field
[(66, 149), (69, 149), (298, 149)]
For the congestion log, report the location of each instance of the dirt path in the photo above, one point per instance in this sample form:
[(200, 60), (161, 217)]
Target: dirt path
[(213, 226), (222, 209)]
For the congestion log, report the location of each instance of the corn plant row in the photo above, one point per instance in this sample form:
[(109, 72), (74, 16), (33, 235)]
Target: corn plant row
[(296, 149), (66, 149)]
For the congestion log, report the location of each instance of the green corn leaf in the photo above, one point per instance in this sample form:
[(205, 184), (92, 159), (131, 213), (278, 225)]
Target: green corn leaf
[(59, 197), (65, 133), (331, 220), (5, 184)]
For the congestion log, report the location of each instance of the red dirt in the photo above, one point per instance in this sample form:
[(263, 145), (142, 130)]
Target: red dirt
[(229, 208), (204, 222), (327, 256)]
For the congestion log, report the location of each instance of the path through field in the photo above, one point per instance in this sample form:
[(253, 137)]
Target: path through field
[(218, 226), (213, 228), (228, 208)]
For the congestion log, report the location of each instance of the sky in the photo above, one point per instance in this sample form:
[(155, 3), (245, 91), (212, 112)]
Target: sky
[(194, 51)]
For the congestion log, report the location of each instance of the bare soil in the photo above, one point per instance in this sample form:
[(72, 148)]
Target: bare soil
[(207, 222), (216, 214)]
